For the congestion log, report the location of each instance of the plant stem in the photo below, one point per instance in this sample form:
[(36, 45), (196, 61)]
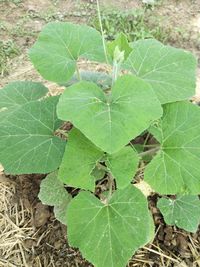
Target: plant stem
[(116, 69), (62, 132), (110, 183), (78, 73), (102, 167), (149, 152), (156, 145), (101, 28)]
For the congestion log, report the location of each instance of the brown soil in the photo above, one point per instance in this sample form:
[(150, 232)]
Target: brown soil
[(45, 244)]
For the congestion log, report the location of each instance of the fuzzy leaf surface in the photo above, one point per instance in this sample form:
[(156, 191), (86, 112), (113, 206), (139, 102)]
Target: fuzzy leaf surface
[(108, 235), (175, 169), (170, 71), (184, 212), (79, 160), (53, 193), (110, 121), (123, 166), (27, 140), (60, 45)]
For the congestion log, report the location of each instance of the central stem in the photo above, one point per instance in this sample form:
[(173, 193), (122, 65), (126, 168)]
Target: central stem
[(101, 28), (78, 73), (110, 186), (149, 152), (116, 69)]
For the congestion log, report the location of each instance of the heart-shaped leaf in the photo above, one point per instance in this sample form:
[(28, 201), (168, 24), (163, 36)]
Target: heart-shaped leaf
[(79, 160), (53, 193), (176, 167), (110, 121), (27, 140), (170, 71), (184, 211), (109, 234), (59, 46), (123, 166)]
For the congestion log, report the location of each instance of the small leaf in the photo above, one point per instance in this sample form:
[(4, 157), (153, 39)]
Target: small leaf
[(27, 140), (170, 71), (60, 45), (184, 212), (175, 169), (123, 166), (53, 193), (109, 234), (101, 79), (110, 121), (79, 160), (60, 211), (97, 173), (123, 45)]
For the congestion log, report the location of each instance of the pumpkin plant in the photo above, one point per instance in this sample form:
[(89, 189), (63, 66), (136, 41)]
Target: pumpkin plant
[(92, 165)]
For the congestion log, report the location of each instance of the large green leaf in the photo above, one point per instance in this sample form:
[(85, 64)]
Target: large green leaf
[(16, 94), (176, 167), (123, 165), (53, 193), (27, 140), (184, 211), (59, 46), (170, 71), (110, 121), (79, 160), (109, 234)]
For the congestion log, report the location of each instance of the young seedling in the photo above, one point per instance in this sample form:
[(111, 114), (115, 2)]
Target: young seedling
[(145, 95)]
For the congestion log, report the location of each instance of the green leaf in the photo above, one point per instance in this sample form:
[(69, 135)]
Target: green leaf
[(184, 212), (175, 169), (60, 45), (123, 166), (79, 160), (123, 45), (53, 193), (16, 94), (109, 234), (170, 71), (156, 132), (27, 140), (97, 173), (110, 121), (101, 79)]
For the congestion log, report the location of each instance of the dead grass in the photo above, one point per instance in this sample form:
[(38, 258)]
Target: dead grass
[(14, 226)]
